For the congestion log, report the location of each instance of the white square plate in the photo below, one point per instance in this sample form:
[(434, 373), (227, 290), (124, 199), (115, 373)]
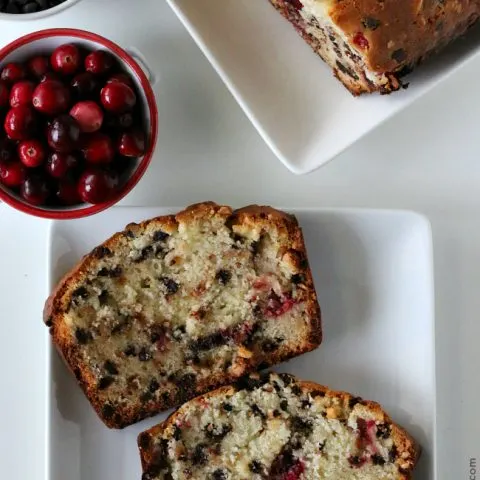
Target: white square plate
[(302, 112), (374, 276)]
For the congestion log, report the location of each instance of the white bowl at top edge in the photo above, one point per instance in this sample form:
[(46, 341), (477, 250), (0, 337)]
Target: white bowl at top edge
[(37, 15)]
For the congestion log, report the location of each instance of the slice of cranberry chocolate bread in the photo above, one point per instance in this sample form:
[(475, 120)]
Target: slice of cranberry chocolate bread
[(371, 44), (179, 305), (277, 427)]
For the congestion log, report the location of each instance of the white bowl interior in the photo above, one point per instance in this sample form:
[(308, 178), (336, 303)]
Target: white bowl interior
[(37, 15), (45, 46)]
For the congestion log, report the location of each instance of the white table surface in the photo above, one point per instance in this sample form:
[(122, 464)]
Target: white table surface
[(426, 159)]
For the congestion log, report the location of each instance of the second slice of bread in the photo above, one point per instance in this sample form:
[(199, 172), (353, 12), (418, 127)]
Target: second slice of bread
[(181, 304)]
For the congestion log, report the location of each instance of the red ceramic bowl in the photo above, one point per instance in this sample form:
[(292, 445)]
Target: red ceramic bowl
[(44, 42)]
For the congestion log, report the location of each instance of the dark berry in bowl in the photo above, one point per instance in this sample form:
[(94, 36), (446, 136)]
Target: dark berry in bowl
[(122, 78), (132, 144), (51, 97), (89, 116), (4, 94), (21, 93), (98, 149), (97, 185), (85, 86), (117, 97), (99, 62), (63, 134), (67, 193), (38, 66), (35, 190), (31, 153), (7, 150), (66, 59), (59, 165), (20, 123), (13, 72)]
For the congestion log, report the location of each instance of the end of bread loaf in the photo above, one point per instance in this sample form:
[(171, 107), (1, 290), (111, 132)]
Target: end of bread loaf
[(372, 45), (278, 427), (178, 305)]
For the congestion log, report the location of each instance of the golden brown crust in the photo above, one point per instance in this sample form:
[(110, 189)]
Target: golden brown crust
[(408, 449), (250, 217)]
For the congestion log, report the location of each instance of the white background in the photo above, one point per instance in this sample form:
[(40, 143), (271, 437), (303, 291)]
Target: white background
[(426, 159)]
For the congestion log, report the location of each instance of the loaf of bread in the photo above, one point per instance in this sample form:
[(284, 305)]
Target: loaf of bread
[(178, 305), (277, 427), (372, 44)]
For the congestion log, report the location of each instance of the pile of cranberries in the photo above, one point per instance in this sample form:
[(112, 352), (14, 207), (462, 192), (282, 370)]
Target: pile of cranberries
[(72, 127)]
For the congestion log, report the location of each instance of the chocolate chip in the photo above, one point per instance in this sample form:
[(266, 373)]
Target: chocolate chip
[(80, 292), (252, 382), (321, 446), (144, 441), (215, 433), (355, 460), (255, 466), (130, 351), (286, 378), (276, 413), (108, 411), (177, 432), (49, 321), (101, 252), (378, 459), (298, 278), (300, 425), (306, 403), (317, 393), (209, 342), (371, 23), (227, 407), (172, 285), (154, 385), (103, 297), (199, 455), (105, 382), (186, 386), (110, 367), (296, 390), (219, 474), (144, 355), (284, 405), (83, 336), (110, 272), (383, 431), (257, 411), (353, 401), (255, 246), (223, 276), (399, 55), (160, 236), (392, 454), (144, 254)]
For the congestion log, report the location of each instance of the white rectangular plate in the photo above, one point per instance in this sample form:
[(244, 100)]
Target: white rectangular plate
[(302, 112), (374, 276)]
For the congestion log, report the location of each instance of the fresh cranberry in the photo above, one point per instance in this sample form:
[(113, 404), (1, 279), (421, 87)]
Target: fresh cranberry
[(60, 164), (12, 174), (277, 306), (117, 97), (31, 153), (39, 66), (88, 115), (98, 148), (297, 4), (51, 97), (85, 85), (35, 190), (360, 41), (132, 144), (4, 94), (122, 78), (99, 62), (7, 150), (97, 186), (20, 122), (50, 76), (63, 134), (66, 59), (21, 93), (13, 72), (67, 193)]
